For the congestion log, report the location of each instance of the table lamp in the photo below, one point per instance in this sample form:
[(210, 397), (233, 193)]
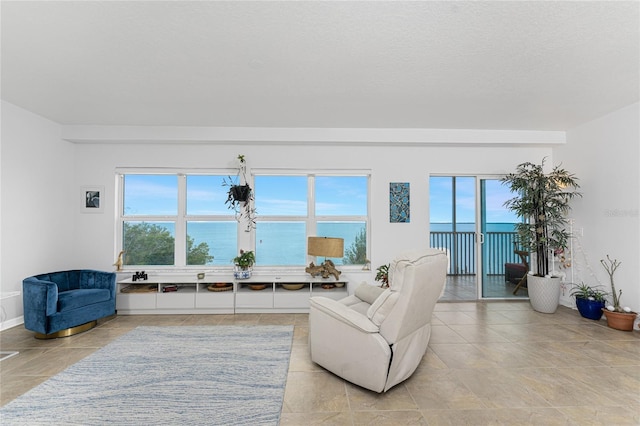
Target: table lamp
[(327, 247)]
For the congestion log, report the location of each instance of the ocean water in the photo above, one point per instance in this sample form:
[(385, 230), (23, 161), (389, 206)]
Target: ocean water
[(285, 243), (277, 243), (471, 227)]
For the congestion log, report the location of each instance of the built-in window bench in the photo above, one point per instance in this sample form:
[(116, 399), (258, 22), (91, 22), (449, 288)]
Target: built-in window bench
[(169, 293)]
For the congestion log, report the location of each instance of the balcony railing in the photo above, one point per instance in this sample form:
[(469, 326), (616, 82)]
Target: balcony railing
[(499, 249)]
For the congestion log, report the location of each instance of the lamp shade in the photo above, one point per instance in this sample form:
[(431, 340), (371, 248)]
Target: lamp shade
[(325, 246)]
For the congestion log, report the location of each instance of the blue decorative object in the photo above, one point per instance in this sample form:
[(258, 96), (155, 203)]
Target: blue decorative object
[(591, 309), (58, 301), (399, 202), (241, 274)]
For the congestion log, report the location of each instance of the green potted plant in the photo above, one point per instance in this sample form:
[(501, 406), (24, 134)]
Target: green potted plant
[(542, 202), (618, 317), (240, 195), (589, 301), (382, 275), (243, 264)]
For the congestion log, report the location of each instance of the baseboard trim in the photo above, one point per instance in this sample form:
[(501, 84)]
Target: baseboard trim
[(5, 325)]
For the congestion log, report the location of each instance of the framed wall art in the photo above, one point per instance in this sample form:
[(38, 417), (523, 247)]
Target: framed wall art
[(399, 211), (92, 199)]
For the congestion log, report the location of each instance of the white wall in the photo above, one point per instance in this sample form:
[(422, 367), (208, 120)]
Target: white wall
[(96, 164), (37, 227), (44, 229), (605, 155)]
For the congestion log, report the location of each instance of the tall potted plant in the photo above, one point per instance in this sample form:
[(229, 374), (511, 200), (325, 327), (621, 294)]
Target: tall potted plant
[(542, 202)]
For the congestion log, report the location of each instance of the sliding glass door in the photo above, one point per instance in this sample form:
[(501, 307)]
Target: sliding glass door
[(469, 221), (497, 242), (452, 210)]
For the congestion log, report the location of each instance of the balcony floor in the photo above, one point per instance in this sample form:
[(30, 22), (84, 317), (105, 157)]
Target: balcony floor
[(463, 287)]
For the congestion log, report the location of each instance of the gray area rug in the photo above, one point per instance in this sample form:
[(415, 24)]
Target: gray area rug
[(222, 375)]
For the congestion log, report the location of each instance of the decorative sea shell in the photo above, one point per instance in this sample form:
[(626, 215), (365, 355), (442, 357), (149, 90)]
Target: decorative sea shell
[(610, 308), (626, 309)]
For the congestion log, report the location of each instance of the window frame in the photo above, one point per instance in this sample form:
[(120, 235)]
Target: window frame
[(245, 240), (180, 219), (311, 219)]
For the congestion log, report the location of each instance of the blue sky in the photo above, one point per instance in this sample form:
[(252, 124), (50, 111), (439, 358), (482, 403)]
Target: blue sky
[(157, 195), (441, 200)]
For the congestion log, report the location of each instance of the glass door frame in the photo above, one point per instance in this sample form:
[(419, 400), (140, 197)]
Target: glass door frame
[(482, 244), (480, 231)]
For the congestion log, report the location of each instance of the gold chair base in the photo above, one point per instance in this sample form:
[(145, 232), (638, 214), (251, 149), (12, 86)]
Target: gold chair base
[(69, 331)]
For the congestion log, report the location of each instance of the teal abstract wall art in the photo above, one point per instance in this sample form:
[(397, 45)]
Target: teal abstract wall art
[(399, 202)]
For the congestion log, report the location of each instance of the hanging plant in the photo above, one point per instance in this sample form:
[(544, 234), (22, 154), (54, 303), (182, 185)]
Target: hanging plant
[(240, 193), (240, 196)]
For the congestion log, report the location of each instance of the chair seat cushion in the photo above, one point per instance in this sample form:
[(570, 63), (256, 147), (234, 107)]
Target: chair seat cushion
[(356, 304), (518, 267), (72, 299)]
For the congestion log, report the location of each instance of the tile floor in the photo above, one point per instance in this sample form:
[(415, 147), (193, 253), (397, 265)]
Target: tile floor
[(488, 363), (461, 288)]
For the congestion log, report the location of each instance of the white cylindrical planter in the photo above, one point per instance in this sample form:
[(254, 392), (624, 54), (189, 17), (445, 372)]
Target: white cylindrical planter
[(544, 293)]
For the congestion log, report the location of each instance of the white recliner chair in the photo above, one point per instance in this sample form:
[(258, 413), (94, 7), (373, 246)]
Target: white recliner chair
[(376, 337)]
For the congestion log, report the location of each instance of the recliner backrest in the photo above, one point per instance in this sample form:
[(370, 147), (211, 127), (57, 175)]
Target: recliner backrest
[(417, 277)]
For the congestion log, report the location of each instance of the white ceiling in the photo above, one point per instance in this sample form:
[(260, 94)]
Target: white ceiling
[(540, 65)]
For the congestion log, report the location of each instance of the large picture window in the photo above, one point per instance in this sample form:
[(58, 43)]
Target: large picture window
[(292, 208), (175, 220), (180, 219)]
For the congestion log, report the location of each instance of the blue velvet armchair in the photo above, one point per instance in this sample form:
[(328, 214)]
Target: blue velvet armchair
[(59, 304)]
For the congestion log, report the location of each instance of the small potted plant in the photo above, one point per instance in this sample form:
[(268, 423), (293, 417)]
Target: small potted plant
[(589, 301), (240, 195), (243, 264), (618, 317), (382, 275)]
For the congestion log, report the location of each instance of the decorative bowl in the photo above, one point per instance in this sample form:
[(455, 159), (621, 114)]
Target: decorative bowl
[(215, 287), (292, 286)]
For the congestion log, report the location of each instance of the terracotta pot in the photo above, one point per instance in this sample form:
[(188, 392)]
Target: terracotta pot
[(620, 320)]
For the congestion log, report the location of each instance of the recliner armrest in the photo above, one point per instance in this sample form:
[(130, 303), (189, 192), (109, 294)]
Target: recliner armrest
[(344, 314), (368, 293)]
